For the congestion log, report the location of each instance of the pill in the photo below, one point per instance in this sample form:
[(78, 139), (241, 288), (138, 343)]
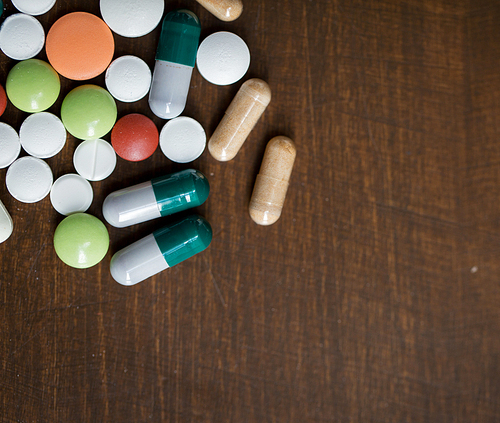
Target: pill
[(94, 160), (6, 225), (223, 58), (159, 197), (21, 36), (80, 46), (70, 194), (175, 59), (225, 10), (132, 18), (3, 100), (88, 112), (42, 135), (134, 137), (160, 250), (182, 139), (128, 78), (240, 118), (33, 85), (271, 185), (29, 179), (10, 147), (81, 240), (33, 7)]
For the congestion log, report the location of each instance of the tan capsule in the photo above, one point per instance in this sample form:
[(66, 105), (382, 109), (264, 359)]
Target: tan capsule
[(271, 185), (240, 118), (225, 10)]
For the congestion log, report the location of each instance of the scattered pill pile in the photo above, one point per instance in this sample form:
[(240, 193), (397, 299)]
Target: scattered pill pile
[(89, 112)]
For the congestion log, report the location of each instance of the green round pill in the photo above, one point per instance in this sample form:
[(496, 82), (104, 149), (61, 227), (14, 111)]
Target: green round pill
[(81, 240), (88, 112), (33, 85)]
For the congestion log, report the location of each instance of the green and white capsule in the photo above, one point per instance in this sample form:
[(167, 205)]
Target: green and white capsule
[(160, 250), (159, 197)]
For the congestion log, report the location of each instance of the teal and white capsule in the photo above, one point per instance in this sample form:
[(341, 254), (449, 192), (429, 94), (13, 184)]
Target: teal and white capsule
[(160, 250), (159, 197), (175, 60)]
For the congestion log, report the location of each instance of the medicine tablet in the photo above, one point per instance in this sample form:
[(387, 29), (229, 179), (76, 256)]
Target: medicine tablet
[(42, 135), (29, 179), (128, 78), (225, 10), (33, 7), (3, 100), (10, 147), (134, 137), (6, 225), (95, 160), (71, 194), (132, 18), (223, 58), (182, 139), (21, 36)]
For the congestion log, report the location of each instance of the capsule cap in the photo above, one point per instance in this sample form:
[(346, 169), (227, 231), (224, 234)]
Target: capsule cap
[(184, 239), (180, 34)]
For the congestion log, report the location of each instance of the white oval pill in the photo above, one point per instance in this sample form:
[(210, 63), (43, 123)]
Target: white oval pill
[(128, 78), (6, 225), (10, 147), (132, 18), (182, 139), (223, 58), (71, 194), (95, 160), (33, 7), (29, 179), (42, 135), (21, 37)]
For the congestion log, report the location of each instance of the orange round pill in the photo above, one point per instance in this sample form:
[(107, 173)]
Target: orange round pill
[(80, 46), (3, 100)]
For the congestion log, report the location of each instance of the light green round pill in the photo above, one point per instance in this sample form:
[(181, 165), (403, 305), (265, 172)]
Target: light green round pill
[(33, 85), (88, 112), (81, 240)]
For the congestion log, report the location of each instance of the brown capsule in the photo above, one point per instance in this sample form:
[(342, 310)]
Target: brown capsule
[(240, 118), (225, 10), (271, 185)]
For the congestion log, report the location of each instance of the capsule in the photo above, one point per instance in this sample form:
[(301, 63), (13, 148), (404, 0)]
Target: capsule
[(225, 10), (175, 59), (160, 250), (271, 185), (159, 197), (240, 118)]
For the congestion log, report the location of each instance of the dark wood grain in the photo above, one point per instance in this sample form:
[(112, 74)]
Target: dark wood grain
[(375, 298)]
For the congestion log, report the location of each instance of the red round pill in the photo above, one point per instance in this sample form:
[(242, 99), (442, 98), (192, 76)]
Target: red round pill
[(134, 137), (3, 100)]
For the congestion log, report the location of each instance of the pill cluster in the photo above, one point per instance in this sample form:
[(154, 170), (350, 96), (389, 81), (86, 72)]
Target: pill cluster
[(89, 112)]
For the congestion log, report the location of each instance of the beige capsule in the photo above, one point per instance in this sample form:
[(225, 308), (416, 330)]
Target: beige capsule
[(225, 10), (271, 185), (240, 118)]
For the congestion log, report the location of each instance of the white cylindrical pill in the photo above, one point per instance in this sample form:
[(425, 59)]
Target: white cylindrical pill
[(6, 225), (95, 160), (225, 10), (21, 36), (128, 78), (71, 194), (10, 147), (42, 135), (223, 58), (33, 7), (182, 139), (29, 179)]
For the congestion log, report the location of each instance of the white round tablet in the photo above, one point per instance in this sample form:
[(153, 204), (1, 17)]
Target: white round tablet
[(223, 58), (182, 139), (71, 194), (21, 37), (95, 160), (6, 225), (42, 135), (29, 179), (33, 7), (128, 78), (10, 147), (132, 18)]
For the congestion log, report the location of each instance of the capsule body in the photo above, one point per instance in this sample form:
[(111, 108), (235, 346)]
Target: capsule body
[(240, 118), (159, 197), (271, 185), (225, 10), (160, 250), (175, 59)]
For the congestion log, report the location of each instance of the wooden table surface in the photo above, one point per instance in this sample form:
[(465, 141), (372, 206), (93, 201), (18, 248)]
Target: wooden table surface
[(375, 297)]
